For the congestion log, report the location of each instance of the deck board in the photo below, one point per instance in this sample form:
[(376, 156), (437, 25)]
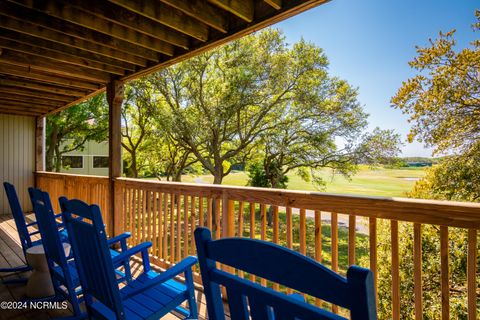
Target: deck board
[(11, 255)]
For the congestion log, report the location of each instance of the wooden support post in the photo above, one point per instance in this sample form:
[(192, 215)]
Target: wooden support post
[(39, 145), (115, 99)]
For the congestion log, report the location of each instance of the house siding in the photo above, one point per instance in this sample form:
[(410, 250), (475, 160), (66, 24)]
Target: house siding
[(17, 157)]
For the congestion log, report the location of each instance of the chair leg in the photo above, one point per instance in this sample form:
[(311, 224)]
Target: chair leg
[(192, 302)]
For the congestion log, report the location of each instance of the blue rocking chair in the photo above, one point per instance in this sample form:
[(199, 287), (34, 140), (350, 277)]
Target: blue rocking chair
[(22, 228), (249, 300), (149, 296), (62, 270)]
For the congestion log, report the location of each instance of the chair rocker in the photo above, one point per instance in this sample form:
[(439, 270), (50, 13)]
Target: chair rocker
[(149, 296), (249, 300)]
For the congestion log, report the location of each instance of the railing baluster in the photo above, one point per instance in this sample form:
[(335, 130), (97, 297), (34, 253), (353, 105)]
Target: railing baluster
[(352, 221), (276, 236), (240, 229), (185, 226), (193, 224), (209, 213), (252, 229), (289, 235), (263, 231), (218, 231), (138, 216), (417, 270), (445, 287), (172, 228), (200, 212), (372, 231), (318, 243), (303, 232), (148, 218), (160, 225), (471, 274), (165, 226), (153, 220), (395, 271), (240, 218), (143, 213), (334, 237), (178, 243)]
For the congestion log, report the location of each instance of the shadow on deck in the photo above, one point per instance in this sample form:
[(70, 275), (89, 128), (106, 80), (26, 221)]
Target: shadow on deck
[(11, 255)]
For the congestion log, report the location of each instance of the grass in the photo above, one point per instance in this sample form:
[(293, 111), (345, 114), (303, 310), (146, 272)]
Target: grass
[(367, 181)]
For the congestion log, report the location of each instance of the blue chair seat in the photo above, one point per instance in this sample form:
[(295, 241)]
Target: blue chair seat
[(164, 296)]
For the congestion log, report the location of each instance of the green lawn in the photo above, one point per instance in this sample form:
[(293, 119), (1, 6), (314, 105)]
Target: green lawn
[(367, 181)]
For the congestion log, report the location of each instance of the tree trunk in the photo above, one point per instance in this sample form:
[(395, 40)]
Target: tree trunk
[(50, 154)]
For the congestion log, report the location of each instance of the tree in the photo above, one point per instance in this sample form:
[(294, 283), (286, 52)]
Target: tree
[(138, 118), (222, 102), (69, 129), (443, 99), (443, 102)]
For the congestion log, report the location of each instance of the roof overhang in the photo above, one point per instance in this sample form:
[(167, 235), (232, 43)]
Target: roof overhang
[(57, 53)]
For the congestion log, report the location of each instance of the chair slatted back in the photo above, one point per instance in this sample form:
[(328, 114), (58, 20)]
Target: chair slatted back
[(18, 216), (283, 266), (87, 236), (47, 225)]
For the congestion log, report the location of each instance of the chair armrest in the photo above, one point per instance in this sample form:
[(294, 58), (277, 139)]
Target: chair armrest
[(122, 239), (125, 255), (171, 273)]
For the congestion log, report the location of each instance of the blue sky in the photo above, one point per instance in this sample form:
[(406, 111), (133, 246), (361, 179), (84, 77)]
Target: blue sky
[(370, 42)]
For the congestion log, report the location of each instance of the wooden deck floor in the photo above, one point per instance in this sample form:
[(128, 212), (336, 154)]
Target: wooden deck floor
[(11, 255)]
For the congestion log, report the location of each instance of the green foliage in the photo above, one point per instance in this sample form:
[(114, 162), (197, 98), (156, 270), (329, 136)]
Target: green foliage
[(442, 102), (70, 129), (442, 99)]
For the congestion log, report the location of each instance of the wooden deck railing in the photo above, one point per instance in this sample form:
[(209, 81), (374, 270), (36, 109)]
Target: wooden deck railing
[(336, 230)]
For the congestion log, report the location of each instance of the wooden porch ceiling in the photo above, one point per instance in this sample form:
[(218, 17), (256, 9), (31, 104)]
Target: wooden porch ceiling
[(56, 53)]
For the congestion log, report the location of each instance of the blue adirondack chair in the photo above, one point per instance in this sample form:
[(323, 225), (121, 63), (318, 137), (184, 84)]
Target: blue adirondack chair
[(62, 270), (283, 266), (149, 296), (22, 228)]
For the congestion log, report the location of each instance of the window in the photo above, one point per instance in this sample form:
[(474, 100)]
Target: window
[(100, 162), (72, 162)]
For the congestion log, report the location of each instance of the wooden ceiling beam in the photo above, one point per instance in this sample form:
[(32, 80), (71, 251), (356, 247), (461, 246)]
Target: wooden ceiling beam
[(56, 56), (66, 12), (41, 87), (34, 93), (243, 9), (202, 11), (72, 41), (25, 106), (7, 110), (168, 16), (51, 45), (60, 28), (53, 67), (33, 101), (26, 72), (132, 20), (276, 4)]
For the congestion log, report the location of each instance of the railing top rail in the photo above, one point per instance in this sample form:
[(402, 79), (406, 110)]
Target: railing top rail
[(62, 174), (449, 213)]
